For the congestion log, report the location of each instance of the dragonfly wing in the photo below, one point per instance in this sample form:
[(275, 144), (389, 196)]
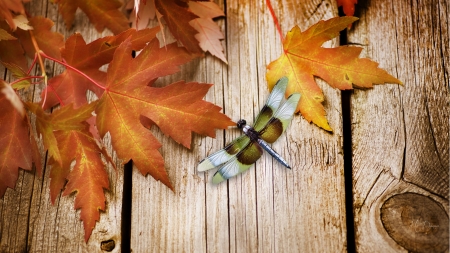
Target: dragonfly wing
[(272, 104), (280, 120), (240, 163), (224, 155)]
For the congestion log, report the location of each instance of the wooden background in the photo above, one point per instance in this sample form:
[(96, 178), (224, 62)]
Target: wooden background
[(396, 169)]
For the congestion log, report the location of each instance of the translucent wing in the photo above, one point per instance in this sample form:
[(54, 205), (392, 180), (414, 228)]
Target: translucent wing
[(280, 120), (240, 163), (272, 104), (225, 154)]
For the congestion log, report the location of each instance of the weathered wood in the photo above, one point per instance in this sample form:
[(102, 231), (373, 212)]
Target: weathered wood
[(267, 208), (28, 220), (401, 133)]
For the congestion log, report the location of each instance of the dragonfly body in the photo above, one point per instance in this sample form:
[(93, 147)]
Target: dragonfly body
[(244, 151), (254, 136)]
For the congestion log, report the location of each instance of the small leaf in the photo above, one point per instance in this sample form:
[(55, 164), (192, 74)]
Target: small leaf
[(22, 22), (209, 36)]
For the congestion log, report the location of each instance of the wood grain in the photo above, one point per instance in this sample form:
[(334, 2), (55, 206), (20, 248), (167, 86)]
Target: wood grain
[(400, 134), (268, 208), (28, 220)]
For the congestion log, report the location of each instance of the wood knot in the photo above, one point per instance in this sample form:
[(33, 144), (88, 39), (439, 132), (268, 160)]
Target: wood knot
[(416, 222), (107, 245)]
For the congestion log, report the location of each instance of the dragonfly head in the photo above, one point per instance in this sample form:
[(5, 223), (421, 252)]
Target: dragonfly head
[(241, 123)]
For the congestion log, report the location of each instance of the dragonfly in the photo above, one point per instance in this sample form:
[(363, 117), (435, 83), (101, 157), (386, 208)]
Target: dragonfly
[(240, 154)]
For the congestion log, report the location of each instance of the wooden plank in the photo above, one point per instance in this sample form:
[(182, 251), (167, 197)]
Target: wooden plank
[(401, 133), (168, 221), (267, 208), (28, 220)]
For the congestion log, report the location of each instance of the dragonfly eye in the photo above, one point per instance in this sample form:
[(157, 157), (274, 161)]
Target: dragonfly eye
[(241, 123)]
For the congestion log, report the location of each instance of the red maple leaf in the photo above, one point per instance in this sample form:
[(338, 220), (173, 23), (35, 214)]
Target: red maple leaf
[(66, 135), (70, 87), (177, 109), (88, 177)]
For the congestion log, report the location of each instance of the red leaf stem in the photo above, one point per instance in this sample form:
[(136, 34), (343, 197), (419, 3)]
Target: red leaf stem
[(74, 69), (275, 20)]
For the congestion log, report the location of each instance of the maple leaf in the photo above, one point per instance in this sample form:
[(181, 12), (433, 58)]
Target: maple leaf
[(177, 18), (348, 6), (70, 87), (303, 58), (15, 144), (88, 176), (209, 34), (101, 13), (177, 109)]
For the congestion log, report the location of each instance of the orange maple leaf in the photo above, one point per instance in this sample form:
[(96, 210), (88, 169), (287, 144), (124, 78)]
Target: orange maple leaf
[(348, 6), (209, 35), (303, 58), (177, 109), (15, 145), (101, 13), (88, 176), (66, 135), (70, 87)]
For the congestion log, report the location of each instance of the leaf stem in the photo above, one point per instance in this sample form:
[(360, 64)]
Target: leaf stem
[(41, 63), (26, 78), (74, 69), (275, 20), (32, 64)]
